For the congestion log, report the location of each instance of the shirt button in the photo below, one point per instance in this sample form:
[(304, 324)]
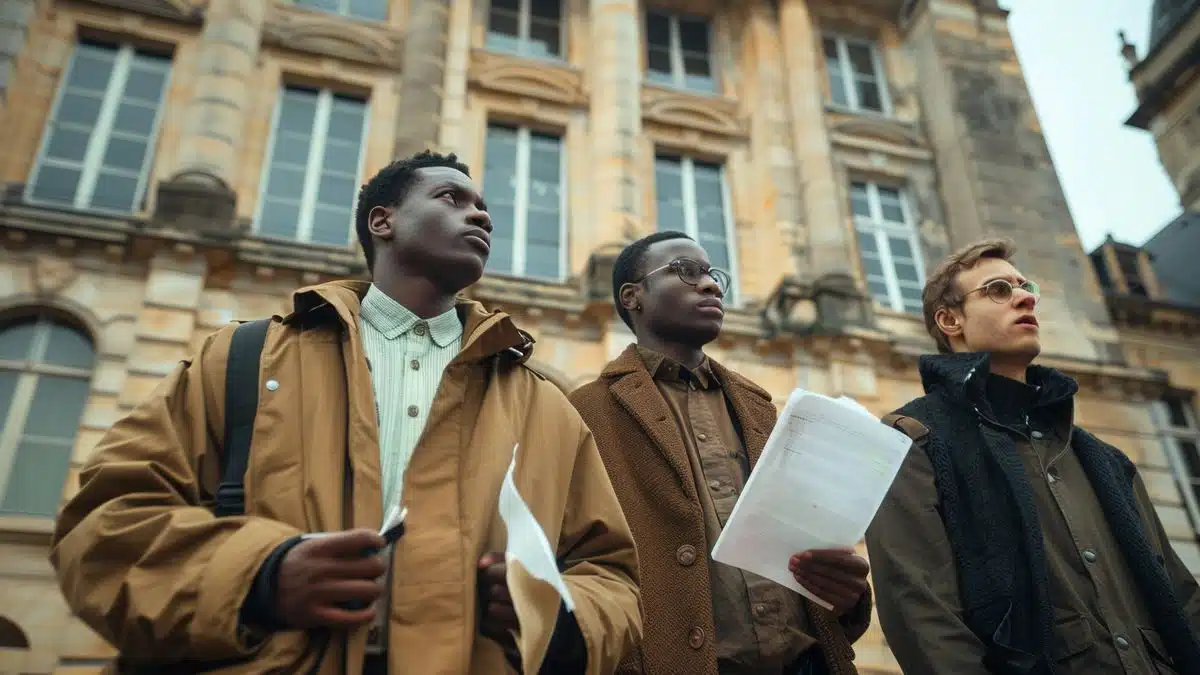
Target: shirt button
[(419, 329), (1051, 477), (412, 411), (760, 610), (702, 437), (1122, 642), (686, 555), (414, 364), (1037, 434), (1089, 555), (696, 638)]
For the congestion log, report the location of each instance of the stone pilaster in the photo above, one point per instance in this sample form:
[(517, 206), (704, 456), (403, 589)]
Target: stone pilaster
[(616, 121), (777, 178), (828, 247), (995, 174), (15, 16), (418, 122), (199, 194)]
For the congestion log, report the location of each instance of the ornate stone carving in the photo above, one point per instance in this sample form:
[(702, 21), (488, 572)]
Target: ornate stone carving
[(176, 10), (885, 130), (51, 274), (546, 81), (677, 108), (331, 35)]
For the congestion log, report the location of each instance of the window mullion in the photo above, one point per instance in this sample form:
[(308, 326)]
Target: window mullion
[(312, 170), (524, 19), (521, 202), (94, 157), (676, 49), (843, 48), (688, 175), (885, 251)]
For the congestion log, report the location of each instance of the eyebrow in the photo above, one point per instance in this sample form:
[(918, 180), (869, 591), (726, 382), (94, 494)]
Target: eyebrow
[(1007, 277)]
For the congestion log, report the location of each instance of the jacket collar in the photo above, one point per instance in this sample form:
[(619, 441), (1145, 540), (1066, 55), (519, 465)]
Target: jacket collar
[(485, 333), (631, 361), (964, 376)]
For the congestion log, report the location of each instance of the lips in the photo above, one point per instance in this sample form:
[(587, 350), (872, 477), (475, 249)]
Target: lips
[(1027, 320), (711, 304), (482, 237)]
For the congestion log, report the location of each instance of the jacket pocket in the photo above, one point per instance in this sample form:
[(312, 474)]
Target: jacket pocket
[(1072, 636), (1164, 664)]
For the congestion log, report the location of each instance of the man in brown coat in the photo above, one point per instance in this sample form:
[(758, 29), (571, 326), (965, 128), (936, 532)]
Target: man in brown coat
[(371, 396), (1012, 541), (679, 435)]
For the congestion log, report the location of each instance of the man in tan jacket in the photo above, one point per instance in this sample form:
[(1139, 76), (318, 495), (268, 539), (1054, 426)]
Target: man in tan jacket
[(371, 395), (679, 435)]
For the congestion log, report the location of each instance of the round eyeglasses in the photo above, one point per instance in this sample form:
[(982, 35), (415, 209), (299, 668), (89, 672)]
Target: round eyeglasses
[(1001, 290), (692, 272)]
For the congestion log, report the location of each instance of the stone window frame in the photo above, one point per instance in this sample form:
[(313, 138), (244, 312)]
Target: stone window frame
[(345, 9), (882, 231), (525, 129), (524, 21), (853, 105), (101, 132), (688, 158), (30, 371), (1178, 441), (675, 49), (326, 94)]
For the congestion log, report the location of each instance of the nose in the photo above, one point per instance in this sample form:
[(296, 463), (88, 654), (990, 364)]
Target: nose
[(709, 286), (480, 218), (1023, 299)]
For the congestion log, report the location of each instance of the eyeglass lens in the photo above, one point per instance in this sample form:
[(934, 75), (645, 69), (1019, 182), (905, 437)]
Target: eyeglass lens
[(690, 272)]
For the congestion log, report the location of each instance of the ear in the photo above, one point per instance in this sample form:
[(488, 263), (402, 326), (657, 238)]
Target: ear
[(949, 322), (631, 296), (379, 222)]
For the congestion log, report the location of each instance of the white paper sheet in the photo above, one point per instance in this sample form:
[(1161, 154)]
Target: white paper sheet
[(527, 541), (822, 475)]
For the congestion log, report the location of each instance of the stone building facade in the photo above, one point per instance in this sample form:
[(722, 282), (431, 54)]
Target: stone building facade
[(171, 165)]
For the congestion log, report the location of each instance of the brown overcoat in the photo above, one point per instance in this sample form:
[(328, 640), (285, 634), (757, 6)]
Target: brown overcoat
[(647, 461), (142, 560)]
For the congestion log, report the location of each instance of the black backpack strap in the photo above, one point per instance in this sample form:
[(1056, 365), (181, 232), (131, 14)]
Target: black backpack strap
[(241, 404)]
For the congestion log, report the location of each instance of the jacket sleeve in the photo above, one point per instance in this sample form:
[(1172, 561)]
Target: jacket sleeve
[(596, 548), (139, 556), (1186, 588), (916, 587)]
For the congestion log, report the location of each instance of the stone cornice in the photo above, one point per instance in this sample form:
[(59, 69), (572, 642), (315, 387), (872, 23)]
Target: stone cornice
[(181, 11), (1154, 315), (553, 82), (325, 34), (685, 110)]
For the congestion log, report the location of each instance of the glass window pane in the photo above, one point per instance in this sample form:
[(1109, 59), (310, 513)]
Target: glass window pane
[(1176, 413), (8, 387), (900, 248), (373, 10), (144, 85), (331, 226), (336, 191), (16, 341), (879, 290), (504, 31), (717, 250), (286, 183), (511, 5), (279, 219), (700, 83), (56, 407), (546, 9), (872, 266), (68, 144), (693, 35), (543, 226), (291, 149), (68, 346), (668, 187), (696, 66), (500, 260), (868, 96), (867, 244), (297, 110), (542, 260), (81, 109), (126, 154), (658, 30), (544, 38), (671, 217), (1191, 456), (56, 184), (346, 121), (860, 59), (837, 89), (906, 271), (114, 192), (658, 60), (35, 485), (831, 50), (135, 118), (91, 68), (341, 158)]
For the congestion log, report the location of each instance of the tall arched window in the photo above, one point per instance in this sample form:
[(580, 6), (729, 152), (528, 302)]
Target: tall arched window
[(45, 375)]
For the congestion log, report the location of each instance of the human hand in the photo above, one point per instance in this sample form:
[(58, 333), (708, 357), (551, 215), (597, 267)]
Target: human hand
[(499, 615), (327, 581), (838, 576)]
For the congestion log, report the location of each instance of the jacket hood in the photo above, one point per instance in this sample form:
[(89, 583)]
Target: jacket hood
[(485, 333), (964, 375)]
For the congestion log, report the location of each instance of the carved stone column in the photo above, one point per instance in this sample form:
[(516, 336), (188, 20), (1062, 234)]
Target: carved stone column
[(199, 194), (616, 121), (418, 121)]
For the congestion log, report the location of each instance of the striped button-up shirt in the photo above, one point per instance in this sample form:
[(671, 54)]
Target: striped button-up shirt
[(407, 355)]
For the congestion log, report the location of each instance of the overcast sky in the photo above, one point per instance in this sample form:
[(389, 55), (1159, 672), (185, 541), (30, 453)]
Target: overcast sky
[(1080, 84)]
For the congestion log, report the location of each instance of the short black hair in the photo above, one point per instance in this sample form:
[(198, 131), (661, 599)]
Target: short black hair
[(390, 186), (629, 263)]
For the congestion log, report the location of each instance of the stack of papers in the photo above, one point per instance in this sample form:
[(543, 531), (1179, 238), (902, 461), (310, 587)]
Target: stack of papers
[(824, 472)]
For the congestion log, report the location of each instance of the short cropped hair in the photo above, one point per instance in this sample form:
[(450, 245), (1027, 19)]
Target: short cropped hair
[(390, 186), (941, 289), (629, 265)]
